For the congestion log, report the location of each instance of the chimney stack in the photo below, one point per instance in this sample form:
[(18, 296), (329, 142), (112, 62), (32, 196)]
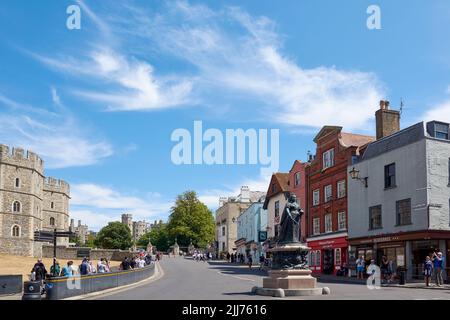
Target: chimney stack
[(387, 121)]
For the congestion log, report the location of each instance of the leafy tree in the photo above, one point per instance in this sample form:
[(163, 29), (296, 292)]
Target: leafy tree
[(115, 235), (90, 241), (157, 236), (191, 220)]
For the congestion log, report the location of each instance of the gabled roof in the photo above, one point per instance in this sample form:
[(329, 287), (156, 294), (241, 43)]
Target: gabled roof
[(281, 180), (326, 130), (304, 164)]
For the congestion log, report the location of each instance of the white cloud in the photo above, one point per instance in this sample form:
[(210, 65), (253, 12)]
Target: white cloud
[(55, 136), (232, 52), (98, 205), (440, 112)]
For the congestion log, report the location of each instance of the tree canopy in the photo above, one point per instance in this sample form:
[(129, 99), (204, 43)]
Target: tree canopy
[(157, 236), (191, 220), (115, 235)]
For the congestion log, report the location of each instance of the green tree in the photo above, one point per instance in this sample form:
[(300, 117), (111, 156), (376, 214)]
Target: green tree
[(157, 236), (115, 235), (90, 241), (191, 220)]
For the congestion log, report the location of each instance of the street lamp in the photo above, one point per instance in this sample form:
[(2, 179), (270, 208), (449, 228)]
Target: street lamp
[(354, 174)]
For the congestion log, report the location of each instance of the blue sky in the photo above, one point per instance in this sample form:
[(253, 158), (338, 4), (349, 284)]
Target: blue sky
[(100, 103)]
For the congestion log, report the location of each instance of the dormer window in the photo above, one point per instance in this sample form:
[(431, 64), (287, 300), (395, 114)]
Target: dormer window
[(439, 130)]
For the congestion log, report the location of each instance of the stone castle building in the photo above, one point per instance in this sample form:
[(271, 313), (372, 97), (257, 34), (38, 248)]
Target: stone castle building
[(81, 231), (29, 202), (137, 228)]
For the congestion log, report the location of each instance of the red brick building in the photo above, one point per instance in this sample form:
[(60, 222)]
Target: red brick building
[(327, 197), (297, 185)]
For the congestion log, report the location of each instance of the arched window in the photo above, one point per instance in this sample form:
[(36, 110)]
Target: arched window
[(17, 183), (15, 231), (52, 221), (16, 206)]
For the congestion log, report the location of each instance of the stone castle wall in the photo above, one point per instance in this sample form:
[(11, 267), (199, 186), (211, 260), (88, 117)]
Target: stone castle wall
[(70, 253), (22, 182)]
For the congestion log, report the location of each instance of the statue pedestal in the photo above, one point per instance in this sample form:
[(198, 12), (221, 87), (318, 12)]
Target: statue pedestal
[(290, 275)]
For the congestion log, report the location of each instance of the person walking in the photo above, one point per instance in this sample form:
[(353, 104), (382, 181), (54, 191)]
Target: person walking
[(39, 272), (250, 261), (438, 263), (360, 266), (261, 262), (427, 270)]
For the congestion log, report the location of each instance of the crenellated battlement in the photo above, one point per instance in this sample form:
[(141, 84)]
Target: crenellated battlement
[(58, 185), (20, 157)]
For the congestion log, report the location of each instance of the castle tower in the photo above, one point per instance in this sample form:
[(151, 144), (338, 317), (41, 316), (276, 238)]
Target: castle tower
[(21, 199), (127, 219), (56, 207)]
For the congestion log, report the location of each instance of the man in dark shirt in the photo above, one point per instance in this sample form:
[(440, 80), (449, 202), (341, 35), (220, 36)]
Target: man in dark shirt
[(39, 270)]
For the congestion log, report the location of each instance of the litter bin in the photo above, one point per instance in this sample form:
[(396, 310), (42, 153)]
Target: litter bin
[(402, 275), (32, 290)]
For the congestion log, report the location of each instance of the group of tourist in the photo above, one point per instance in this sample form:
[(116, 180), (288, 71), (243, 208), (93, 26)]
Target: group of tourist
[(39, 271), (137, 262), (201, 256), (433, 267)]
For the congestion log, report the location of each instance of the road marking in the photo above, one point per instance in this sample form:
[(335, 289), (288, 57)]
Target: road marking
[(241, 278)]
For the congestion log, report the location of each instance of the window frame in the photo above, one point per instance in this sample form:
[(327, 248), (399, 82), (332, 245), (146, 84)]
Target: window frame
[(397, 213), (342, 213), (316, 197), (297, 178), (276, 209), (341, 185), (13, 228), (390, 181), (17, 183), (14, 206), (371, 218), (328, 159), (328, 197), (329, 223), (317, 219)]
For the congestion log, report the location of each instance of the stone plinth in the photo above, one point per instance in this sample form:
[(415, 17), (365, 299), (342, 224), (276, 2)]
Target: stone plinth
[(290, 275)]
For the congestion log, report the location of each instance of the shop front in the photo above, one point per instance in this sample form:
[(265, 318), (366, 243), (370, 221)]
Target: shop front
[(406, 250), (327, 254)]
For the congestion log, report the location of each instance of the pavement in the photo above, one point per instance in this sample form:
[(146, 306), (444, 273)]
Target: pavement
[(186, 279)]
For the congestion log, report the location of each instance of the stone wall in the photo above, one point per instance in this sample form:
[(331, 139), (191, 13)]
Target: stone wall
[(70, 253)]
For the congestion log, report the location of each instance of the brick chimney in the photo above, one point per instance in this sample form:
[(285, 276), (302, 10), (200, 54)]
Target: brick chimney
[(387, 121)]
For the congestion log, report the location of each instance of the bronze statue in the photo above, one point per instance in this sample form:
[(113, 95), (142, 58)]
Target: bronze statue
[(289, 231)]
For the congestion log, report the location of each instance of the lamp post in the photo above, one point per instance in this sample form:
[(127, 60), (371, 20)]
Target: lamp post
[(354, 174)]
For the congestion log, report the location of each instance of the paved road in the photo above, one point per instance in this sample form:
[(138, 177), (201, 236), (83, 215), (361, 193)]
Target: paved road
[(185, 279)]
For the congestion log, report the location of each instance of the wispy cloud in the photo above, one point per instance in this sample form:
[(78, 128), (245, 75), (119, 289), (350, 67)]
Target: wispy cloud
[(97, 205), (232, 52), (55, 135)]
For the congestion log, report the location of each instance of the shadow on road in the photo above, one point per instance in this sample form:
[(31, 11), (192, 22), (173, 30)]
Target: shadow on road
[(236, 269)]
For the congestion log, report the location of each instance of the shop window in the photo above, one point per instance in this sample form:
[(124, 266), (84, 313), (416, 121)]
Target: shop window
[(328, 223), (403, 209), (318, 262), (389, 176), (341, 192), (328, 193), (316, 226), (337, 256), (316, 197), (312, 259), (342, 220), (375, 218), (328, 159)]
